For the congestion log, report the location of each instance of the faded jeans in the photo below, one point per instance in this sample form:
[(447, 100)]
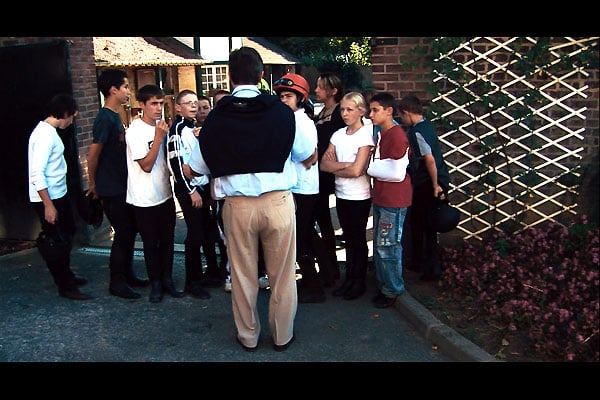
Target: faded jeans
[(387, 249)]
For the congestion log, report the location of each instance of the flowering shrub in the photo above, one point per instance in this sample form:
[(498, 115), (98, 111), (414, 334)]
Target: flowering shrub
[(543, 281)]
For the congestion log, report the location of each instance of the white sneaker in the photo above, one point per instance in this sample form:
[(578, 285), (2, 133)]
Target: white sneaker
[(263, 282), (227, 286)]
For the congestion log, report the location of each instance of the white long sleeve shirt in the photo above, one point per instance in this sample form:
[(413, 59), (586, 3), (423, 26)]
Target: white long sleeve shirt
[(47, 164)]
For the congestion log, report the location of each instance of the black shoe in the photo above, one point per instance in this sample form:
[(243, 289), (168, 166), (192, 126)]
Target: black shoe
[(124, 292), (429, 277), (341, 290), (357, 289), (385, 301), (74, 294), (336, 270), (79, 280), (284, 347), (156, 294), (411, 267), (169, 288), (248, 349), (212, 282), (377, 297), (306, 295), (327, 282), (137, 282), (196, 290)]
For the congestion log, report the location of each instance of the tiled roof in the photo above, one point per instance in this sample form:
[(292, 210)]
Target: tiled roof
[(141, 51), (270, 53)]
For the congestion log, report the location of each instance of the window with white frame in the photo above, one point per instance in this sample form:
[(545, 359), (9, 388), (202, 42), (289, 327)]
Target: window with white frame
[(214, 77)]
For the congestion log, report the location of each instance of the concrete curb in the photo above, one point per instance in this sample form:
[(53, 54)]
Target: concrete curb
[(17, 253), (449, 341)]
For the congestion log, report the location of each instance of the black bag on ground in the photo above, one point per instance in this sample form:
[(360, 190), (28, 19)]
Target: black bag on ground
[(90, 209), (444, 217)]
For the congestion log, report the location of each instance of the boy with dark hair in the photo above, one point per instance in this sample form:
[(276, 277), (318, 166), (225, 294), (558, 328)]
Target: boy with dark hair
[(430, 179), (219, 94), (49, 195), (107, 171), (204, 108), (391, 197), (149, 190), (193, 194)]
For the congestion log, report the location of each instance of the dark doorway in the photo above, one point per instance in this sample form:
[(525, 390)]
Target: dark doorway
[(30, 76)]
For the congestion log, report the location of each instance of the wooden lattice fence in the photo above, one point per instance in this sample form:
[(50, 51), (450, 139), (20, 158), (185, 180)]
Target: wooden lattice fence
[(512, 128)]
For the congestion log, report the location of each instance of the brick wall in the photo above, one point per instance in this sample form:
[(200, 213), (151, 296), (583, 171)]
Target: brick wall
[(388, 72)]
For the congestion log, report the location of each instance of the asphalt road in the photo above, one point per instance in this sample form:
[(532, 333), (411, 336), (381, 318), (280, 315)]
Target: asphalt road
[(36, 325)]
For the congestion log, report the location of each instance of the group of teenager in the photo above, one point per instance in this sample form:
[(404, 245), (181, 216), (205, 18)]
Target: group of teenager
[(258, 169)]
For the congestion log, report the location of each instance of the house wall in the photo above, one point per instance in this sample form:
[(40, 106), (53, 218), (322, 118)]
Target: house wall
[(83, 73), (85, 92), (83, 80), (186, 78)]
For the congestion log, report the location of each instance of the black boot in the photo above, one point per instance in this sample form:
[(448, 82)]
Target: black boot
[(357, 289), (310, 291), (134, 281), (348, 278), (156, 294), (341, 290), (329, 269), (169, 288), (311, 294), (167, 281), (196, 290), (71, 291)]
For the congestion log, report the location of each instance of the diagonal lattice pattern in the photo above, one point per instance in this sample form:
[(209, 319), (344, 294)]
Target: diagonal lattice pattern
[(509, 171)]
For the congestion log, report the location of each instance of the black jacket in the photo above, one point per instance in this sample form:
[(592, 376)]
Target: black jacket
[(247, 135), (174, 158)]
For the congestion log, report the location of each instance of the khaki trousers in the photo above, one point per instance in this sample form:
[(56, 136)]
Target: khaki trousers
[(270, 220)]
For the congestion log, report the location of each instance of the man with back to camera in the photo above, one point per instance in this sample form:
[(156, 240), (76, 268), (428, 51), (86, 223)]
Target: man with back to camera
[(248, 142)]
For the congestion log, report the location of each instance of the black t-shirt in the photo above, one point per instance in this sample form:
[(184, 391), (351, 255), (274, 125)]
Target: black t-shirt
[(111, 175), (325, 128)]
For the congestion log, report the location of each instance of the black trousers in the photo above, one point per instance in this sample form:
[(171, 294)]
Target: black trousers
[(324, 245), (122, 219), (157, 228), (424, 254), (198, 235), (353, 216), (57, 242), (305, 217)]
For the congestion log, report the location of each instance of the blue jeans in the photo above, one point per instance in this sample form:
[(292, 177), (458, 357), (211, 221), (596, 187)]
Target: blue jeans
[(387, 249)]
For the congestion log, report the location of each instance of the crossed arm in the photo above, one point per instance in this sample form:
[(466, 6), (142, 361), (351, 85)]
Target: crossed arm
[(346, 169)]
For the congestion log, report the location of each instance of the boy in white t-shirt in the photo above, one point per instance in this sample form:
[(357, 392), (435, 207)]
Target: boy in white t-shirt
[(149, 190)]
